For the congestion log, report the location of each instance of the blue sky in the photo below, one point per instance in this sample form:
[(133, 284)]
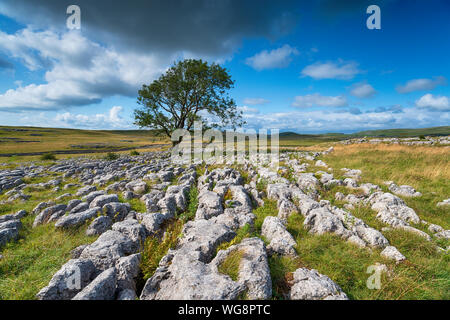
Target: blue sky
[(309, 67)]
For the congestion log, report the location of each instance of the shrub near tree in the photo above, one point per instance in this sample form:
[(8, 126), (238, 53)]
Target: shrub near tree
[(191, 90), (48, 156)]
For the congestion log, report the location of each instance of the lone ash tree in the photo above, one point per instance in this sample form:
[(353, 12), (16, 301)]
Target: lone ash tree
[(191, 90)]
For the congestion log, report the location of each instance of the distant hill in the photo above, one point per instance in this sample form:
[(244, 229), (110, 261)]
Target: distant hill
[(434, 131)]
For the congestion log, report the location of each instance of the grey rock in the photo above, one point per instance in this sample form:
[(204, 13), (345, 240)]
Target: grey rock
[(107, 249), (77, 219), (151, 200), (285, 209), (99, 225), (434, 228), (128, 195), (277, 191), (116, 210), (444, 203), (369, 188), (350, 183), (168, 205), (281, 241), (391, 209), (404, 190), (443, 234), (311, 285), (82, 206), (40, 207), (73, 204), (321, 220), (137, 186), (127, 271), (306, 204), (103, 287), (209, 205), (101, 200), (320, 163), (7, 235), (47, 213), (133, 230), (92, 195), (392, 252), (16, 216), (62, 197), (307, 181), (75, 253), (85, 190), (68, 281), (254, 272), (339, 196), (127, 294), (153, 222)]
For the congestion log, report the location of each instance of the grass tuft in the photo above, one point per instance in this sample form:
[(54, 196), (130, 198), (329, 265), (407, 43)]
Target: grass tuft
[(230, 266)]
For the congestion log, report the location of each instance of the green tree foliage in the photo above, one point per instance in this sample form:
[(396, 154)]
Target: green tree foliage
[(191, 90)]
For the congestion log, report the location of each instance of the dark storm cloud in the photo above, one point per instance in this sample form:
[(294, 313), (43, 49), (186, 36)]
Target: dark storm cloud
[(206, 27)]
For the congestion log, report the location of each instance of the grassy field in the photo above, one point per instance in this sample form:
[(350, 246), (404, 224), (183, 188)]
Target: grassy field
[(19, 140), (427, 169), (434, 131), (28, 139), (29, 263)]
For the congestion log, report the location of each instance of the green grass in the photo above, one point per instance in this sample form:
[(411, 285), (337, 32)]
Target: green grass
[(29, 263), (136, 204), (52, 139), (241, 234), (155, 248), (192, 205), (269, 209), (134, 153), (281, 269), (230, 266), (427, 169), (425, 274), (111, 156)]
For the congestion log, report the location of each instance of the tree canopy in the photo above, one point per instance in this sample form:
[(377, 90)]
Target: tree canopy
[(191, 90)]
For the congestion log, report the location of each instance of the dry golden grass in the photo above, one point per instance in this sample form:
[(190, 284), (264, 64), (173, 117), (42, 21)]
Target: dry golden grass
[(426, 162), (425, 168), (52, 139)]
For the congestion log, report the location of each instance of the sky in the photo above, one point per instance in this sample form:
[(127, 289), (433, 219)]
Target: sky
[(302, 66)]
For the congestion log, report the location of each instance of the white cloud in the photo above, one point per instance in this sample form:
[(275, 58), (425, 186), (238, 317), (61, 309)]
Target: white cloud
[(319, 121), (311, 100), (110, 120), (79, 71), (421, 84), (441, 103), (363, 90), (277, 58), (332, 70), (246, 109), (255, 101)]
